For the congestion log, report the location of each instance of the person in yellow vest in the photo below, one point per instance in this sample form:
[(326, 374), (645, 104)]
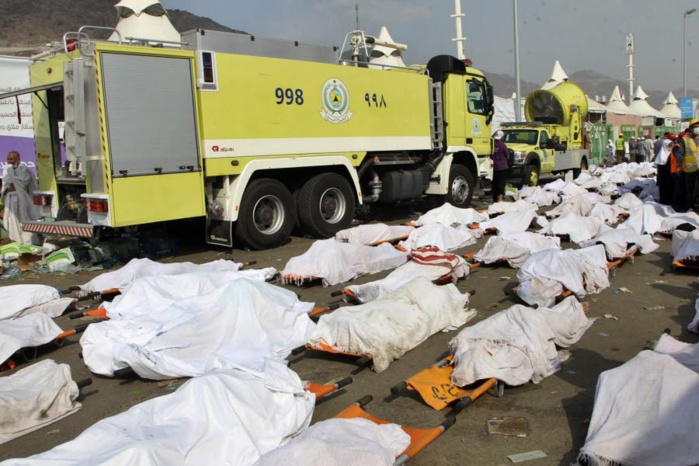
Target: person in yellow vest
[(620, 149), (689, 150)]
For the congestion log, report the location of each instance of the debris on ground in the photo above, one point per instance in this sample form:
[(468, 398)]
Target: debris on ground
[(654, 308), (611, 316), (528, 456), (509, 426)]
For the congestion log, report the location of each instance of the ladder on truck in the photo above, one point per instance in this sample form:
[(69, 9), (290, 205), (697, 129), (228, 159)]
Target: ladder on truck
[(74, 98), (437, 108)]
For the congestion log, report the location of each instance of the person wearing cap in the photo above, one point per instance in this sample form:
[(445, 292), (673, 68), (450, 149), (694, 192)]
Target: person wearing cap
[(689, 151), (499, 156), (663, 178)]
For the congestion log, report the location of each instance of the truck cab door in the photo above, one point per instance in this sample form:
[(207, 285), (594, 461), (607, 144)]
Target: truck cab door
[(549, 159), (477, 114)]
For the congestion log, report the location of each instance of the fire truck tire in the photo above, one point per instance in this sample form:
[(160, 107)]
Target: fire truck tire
[(531, 175), (325, 205), (266, 215), (461, 186)]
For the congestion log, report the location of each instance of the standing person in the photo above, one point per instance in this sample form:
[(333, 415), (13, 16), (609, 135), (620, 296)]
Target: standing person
[(658, 144), (647, 150), (610, 153), (633, 145), (689, 152), (677, 177), (499, 156), (18, 183), (663, 178), (620, 149)]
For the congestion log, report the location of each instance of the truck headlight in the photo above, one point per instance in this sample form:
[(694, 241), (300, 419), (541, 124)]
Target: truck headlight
[(519, 157)]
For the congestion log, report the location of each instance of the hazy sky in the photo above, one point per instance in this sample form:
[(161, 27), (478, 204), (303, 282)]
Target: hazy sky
[(582, 34)]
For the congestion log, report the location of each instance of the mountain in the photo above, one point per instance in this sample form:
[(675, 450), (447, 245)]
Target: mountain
[(38, 22), (504, 85), (592, 82)]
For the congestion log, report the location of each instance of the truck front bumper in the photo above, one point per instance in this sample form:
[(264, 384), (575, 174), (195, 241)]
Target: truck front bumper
[(515, 172)]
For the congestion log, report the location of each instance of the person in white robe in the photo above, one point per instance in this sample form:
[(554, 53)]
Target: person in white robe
[(18, 183)]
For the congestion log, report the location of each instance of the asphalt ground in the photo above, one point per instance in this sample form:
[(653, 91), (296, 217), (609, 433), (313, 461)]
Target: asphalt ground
[(557, 410)]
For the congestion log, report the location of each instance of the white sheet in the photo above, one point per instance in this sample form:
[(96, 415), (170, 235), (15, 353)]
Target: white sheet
[(505, 207), (645, 414), (149, 295), (511, 222), (26, 332), (335, 262), (448, 215), (515, 247), (34, 397), (579, 205), (392, 325), (373, 233), (644, 220), (685, 244), (609, 214), (581, 271), (242, 323), (686, 354), (672, 221), (628, 202), (341, 442), (137, 268), (517, 345), (443, 237), (694, 324), (404, 274), (619, 241), (15, 299), (537, 195), (578, 228), (227, 417)]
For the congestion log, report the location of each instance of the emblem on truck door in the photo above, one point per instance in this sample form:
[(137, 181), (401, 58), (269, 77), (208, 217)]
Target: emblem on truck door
[(335, 100), (476, 126)]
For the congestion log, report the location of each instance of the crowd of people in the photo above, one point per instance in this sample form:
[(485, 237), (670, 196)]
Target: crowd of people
[(675, 156)]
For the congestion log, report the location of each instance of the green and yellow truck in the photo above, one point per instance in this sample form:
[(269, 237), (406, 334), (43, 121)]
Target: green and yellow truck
[(255, 135), (551, 140)]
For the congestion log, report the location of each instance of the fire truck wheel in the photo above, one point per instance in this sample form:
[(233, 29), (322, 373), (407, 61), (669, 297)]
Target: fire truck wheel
[(531, 176), (325, 205), (461, 186), (265, 219)]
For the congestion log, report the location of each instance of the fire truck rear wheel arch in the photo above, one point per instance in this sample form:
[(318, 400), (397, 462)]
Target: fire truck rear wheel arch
[(325, 205), (266, 217)]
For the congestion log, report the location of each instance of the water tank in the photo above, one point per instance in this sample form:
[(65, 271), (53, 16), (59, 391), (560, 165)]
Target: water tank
[(553, 105)]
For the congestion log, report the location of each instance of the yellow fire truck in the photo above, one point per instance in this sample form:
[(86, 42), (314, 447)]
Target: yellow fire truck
[(256, 135)]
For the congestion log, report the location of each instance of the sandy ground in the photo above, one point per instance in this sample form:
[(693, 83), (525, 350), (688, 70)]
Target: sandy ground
[(558, 409)]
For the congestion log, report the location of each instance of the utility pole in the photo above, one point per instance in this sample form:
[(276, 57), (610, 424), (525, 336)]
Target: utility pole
[(356, 11), (630, 51), (518, 93), (684, 49), (459, 39)]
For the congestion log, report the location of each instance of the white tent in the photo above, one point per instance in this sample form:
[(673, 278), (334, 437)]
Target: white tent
[(382, 55), (504, 112), (595, 107), (640, 106), (616, 104), (144, 19), (670, 108), (557, 77)]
